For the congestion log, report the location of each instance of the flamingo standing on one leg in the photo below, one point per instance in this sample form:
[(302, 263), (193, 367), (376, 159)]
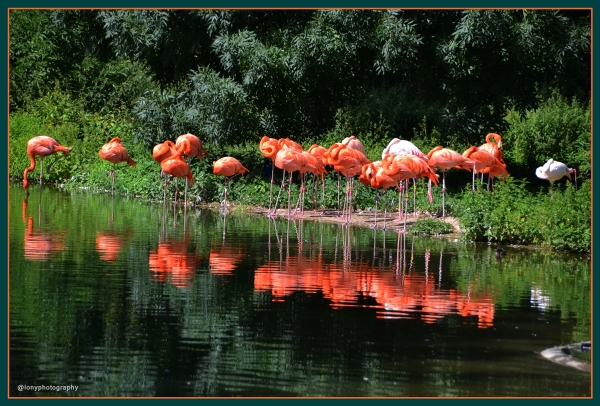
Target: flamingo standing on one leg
[(191, 146), (553, 170), (284, 143), (177, 167), (160, 152), (114, 152), (445, 158), (228, 167), (42, 146)]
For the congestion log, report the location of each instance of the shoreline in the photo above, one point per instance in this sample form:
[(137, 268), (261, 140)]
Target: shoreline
[(359, 218)]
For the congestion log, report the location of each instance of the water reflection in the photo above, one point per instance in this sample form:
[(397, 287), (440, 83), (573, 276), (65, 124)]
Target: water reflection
[(174, 260), (198, 303), (40, 245), (399, 291), (110, 242)]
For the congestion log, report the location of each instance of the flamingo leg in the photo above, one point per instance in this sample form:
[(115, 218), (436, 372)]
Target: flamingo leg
[(272, 180), (41, 169), (385, 212), (415, 196), (164, 189), (406, 207), (52, 163), (346, 210), (300, 201), (176, 189), (225, 192), (338, 205), (348, 205), (443, 193), (315, 191), (289, 195), (185, 193), (274, 212), (400, 200), (376, 204), (323, 188)]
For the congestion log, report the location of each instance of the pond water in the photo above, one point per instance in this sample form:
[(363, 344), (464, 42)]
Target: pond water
[(125, 298)]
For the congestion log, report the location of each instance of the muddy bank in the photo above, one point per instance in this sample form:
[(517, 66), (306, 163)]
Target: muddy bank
[(360, 218)]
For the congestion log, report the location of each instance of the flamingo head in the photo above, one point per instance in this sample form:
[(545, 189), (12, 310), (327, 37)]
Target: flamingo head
[(541, 173)]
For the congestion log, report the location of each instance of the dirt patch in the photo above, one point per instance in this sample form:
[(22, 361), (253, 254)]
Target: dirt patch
[(360, 218)]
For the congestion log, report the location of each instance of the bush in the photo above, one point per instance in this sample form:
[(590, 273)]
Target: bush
[(557, 129), (559, 219)]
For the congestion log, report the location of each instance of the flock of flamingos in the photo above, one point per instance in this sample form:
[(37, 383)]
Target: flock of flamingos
[(400, 161)]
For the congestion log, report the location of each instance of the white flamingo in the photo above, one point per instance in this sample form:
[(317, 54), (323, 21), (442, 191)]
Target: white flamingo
[(554, 170)]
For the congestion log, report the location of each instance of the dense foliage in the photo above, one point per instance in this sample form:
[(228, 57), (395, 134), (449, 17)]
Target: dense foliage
[(435, 77)]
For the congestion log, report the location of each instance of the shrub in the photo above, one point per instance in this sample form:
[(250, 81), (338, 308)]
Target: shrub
[(557, 129), (431, 226)]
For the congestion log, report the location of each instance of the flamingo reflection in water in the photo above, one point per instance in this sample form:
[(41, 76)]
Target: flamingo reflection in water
[(39, 245), (400, 291), (110, 242), (223, 258), (174, 260)]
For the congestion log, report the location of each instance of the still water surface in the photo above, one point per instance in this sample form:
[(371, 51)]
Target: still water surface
[(125, 298)]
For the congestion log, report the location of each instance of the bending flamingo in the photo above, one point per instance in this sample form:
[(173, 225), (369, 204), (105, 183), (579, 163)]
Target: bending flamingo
[(553, 170), (42, 146)]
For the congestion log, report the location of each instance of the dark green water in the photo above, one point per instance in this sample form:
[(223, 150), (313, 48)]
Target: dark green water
[(124, 298)]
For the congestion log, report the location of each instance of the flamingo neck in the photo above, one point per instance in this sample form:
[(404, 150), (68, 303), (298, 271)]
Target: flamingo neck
[(27, 170)]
